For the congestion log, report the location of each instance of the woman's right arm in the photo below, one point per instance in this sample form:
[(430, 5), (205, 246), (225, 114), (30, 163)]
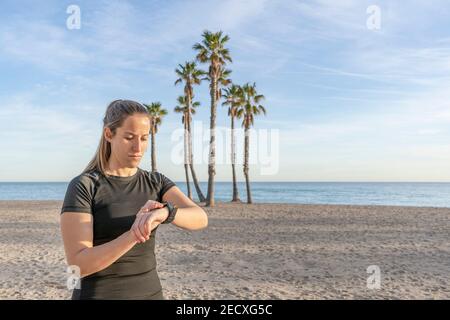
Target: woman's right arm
[(77, 234)]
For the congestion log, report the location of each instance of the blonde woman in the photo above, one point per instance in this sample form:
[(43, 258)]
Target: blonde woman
[(111, 212)]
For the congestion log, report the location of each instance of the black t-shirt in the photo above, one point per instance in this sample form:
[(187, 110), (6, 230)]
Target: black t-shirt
[(114, 202)]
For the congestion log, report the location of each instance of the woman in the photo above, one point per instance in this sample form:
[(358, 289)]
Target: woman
[(112, 210)]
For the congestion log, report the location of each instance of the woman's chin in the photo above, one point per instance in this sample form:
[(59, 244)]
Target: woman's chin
[(134, 162)]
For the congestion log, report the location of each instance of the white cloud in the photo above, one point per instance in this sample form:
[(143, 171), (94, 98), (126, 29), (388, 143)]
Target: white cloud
[(42, 44), (30, 123)]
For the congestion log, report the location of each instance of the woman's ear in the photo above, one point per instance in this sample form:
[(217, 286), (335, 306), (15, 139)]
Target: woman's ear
[(107, 133)]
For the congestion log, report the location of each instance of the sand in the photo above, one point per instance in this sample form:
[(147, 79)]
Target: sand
[(259, 251)]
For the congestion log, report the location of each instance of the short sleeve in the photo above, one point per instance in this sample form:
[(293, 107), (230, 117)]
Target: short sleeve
[(164, 184), (78, 196)]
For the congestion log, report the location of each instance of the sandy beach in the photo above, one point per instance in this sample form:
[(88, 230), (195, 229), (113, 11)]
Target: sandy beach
[(260, 251)]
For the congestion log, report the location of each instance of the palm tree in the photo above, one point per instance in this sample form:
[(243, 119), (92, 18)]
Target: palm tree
[(183, 108), (233, 99), (223, 80), (190, 75), (156, 114), (248, 110), (212, 50)]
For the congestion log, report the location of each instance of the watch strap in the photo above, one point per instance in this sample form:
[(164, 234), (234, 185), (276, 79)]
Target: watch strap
[(172, 212)]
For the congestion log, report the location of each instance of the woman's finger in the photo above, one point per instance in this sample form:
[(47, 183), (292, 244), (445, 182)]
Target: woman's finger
[(136, 227), (148, 227), (142, 224), (138, 239), (136, 235), (133, 229), (145, 228), (151, 204)]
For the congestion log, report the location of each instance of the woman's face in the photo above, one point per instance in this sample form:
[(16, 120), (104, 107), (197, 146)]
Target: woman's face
[(130, 142)]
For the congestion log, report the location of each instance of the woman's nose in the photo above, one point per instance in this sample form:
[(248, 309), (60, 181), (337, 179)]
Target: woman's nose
[(137, 147)]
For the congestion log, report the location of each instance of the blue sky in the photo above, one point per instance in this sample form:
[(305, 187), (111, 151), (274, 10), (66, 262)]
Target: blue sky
[(349, 103)]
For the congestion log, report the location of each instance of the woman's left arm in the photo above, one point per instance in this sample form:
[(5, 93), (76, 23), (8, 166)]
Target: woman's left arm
[(189, 215)]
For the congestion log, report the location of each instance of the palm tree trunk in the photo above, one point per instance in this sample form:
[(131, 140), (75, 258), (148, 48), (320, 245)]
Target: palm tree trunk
[(246, 156), (212, 145), (233, 162), (153, 151), (188, 184), (186, 161), (201, 197)]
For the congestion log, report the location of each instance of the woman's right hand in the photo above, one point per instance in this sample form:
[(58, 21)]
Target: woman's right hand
[(141, 215), (151, 205)]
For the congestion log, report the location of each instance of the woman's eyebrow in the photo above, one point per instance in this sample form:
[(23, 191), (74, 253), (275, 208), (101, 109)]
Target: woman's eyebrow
[(146, 134)]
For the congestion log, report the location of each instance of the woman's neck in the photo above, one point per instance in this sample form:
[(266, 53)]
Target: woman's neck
[(121, 172)]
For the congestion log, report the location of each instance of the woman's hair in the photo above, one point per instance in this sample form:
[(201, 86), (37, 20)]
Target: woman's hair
[(116, 113)]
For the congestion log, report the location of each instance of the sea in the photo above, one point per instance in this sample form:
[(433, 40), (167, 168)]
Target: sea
[(422, 194)]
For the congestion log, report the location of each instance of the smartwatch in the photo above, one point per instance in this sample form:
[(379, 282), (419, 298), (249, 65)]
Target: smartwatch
[(172, 212)]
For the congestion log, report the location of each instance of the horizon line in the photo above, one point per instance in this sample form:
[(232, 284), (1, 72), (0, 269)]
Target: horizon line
[(277, 181)]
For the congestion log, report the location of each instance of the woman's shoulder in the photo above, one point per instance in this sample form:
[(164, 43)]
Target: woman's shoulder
[(156, 176), (86, 178)]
